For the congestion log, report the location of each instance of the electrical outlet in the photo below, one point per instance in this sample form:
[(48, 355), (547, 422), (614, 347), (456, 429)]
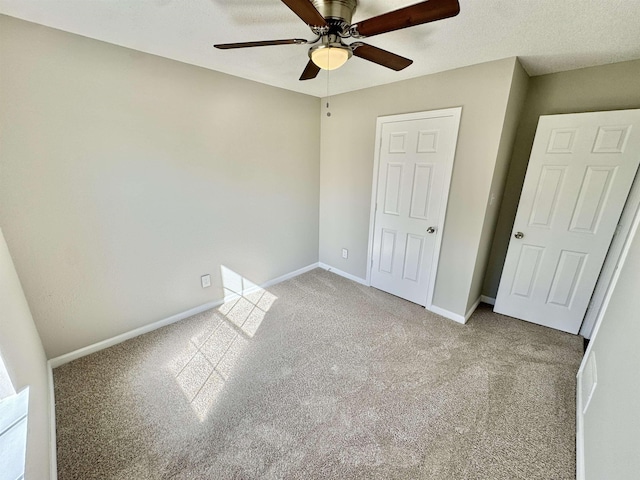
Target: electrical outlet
[(205, 280), (345, 253)]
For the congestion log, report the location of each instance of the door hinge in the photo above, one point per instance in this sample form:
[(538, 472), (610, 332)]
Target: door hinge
[(617, 230)]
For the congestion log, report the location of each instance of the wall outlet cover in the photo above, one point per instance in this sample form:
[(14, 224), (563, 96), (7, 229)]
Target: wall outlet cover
[(345, 253), (205, 280)]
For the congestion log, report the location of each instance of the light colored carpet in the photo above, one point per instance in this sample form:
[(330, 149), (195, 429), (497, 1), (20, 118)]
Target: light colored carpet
[(320, 377)]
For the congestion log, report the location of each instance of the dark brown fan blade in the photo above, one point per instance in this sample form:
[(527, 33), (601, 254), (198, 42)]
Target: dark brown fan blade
[(307, 12), (417, 14), (380, 56), (310, 71), (265, 43)]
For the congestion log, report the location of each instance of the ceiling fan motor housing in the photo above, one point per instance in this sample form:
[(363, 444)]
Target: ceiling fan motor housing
[(330, 21), (338, 13)]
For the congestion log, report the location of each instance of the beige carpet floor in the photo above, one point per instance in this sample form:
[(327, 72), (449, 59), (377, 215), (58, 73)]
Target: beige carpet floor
[(322, 378)]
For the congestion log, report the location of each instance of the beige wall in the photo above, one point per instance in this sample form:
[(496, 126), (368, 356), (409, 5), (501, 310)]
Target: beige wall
[(612, 423), (348, 138), (515, 104), (608, 87), (26, 363), (125, 177)]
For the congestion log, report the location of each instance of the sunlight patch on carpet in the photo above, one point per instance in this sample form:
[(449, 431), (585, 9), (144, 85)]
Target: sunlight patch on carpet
[(210, 363)]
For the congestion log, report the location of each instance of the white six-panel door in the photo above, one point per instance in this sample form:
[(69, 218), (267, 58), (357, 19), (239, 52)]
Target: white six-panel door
[(415, 160), (580, 172)]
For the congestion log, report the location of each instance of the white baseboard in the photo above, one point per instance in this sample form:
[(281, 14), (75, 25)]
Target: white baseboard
[(489, 300), (289, 275), (447, 314), (472, 309), (329, 268), (62, 359), (53, 452), (440, 311), (96, 347), (456, 317), (269, 283)]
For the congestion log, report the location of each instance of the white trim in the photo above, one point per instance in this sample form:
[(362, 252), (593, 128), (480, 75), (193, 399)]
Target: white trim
[(374, 196), (472, 309), (53, 452), (447, 314), (456, 113), (290, 275), (580, 468), (612, 260), (488, 300), (329, 268), (440, 311), (579, 435), (96, 347), (62, 359), (456, 317), (109, 342), (605, 304), (269, 283)]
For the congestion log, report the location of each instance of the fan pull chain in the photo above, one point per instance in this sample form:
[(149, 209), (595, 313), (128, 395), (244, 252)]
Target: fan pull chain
[(328, 97)]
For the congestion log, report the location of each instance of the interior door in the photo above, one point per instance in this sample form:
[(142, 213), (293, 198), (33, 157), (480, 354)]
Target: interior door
[(580, 172), (415, 160)]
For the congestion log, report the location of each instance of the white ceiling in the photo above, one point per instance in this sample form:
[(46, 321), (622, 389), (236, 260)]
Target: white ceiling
[(548, 35)]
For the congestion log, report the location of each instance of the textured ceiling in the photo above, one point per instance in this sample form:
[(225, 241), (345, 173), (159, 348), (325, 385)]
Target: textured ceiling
[(547, 35)]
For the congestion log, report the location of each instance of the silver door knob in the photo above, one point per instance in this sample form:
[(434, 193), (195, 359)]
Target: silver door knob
[(519, 235), (431, 230)]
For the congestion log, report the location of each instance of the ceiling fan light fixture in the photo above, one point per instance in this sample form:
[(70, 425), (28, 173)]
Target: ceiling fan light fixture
[(330, 57), (331, 22)]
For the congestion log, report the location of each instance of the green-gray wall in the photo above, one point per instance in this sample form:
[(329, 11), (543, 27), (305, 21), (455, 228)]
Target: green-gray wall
[(607, 87), (125, 177), (611, 423), (517, 96), (26, 364), (348, 138)]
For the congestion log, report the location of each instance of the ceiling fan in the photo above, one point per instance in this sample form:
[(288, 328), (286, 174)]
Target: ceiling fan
[(330, 21)]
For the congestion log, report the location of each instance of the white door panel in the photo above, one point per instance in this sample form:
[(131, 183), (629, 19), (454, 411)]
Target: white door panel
[(415, 159), (580, 172)]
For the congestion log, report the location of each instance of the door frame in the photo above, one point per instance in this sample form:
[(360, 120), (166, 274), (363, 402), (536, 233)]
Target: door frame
[(620, 259), (456, 113), (613, 260)]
